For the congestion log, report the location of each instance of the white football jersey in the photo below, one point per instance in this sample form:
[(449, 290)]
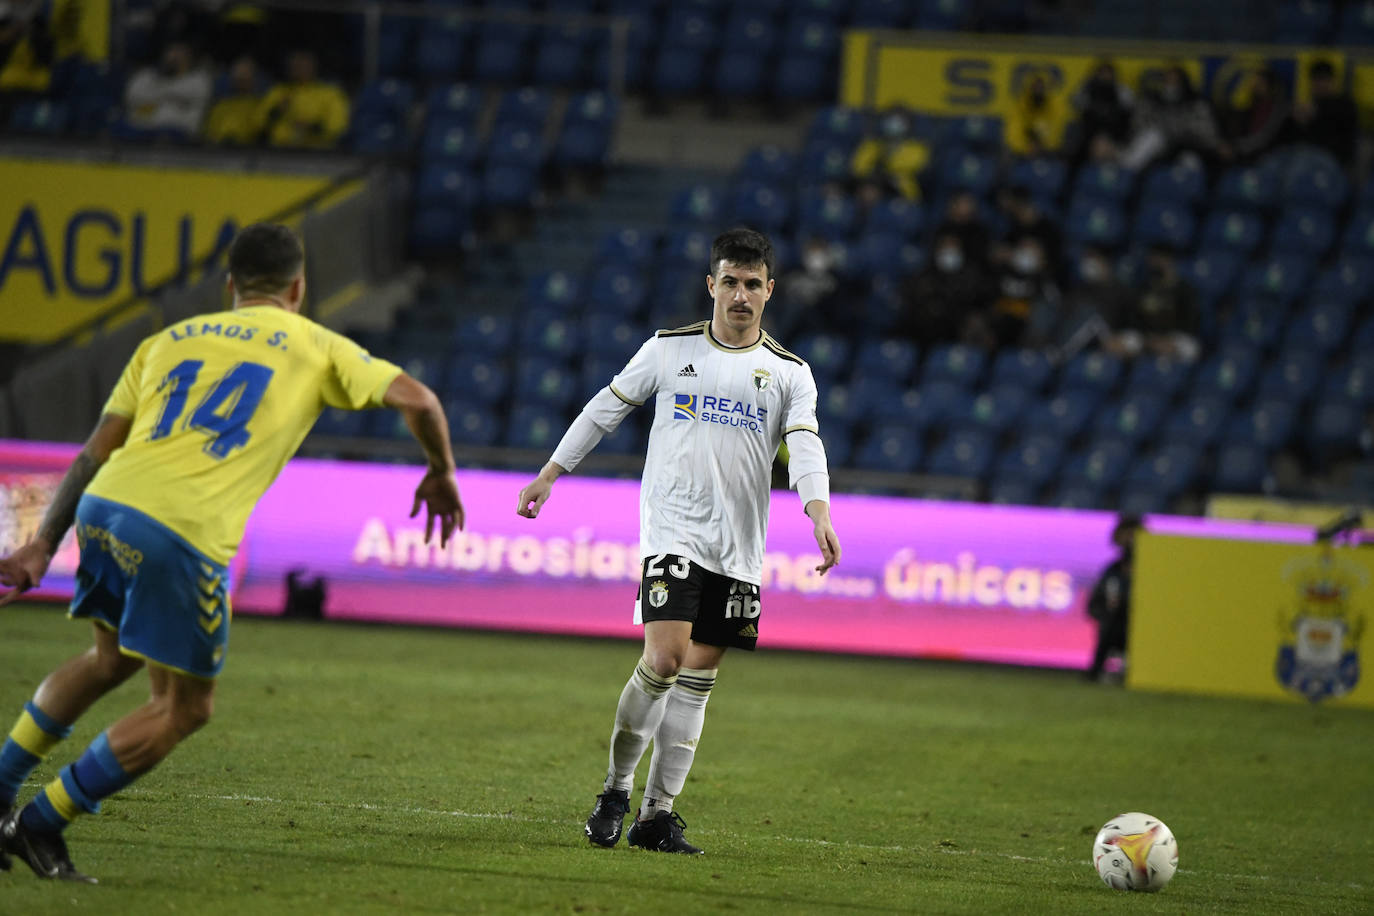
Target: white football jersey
[(720, 414)]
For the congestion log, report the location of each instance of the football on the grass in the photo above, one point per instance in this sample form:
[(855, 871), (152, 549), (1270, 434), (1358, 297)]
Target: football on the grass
[(1135, 852)]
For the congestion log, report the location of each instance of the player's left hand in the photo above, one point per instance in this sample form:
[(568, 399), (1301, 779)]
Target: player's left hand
[(22, 570), (829, 543), (439, 493)]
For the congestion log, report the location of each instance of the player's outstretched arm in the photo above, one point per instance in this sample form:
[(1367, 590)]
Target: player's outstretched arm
[(438, 490), (819, 512), (25, 568), (535, 493)]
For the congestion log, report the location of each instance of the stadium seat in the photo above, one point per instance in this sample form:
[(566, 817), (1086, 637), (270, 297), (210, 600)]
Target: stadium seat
[(698, 203), (501, 52), (488, 334), (512, 187), (1239, 231), (473, 424), (1212, 274), (555, 291), (1142, 499), (1304, 22), (1322, 327), (443, 184), (618, 288), (1200, 421), (761, 206), (838, 124), (548, 335), (389, 98), (1292, 376), (1316, 183), (560, 56), (882, 14), (336, 421), (1093, 371), (944, 15), (738, 76), (627, 246), (877, 253), (892, 448), (686, 246), (581, 144), (1350, 280), (610, 335), (395, 54), (1034, 458), (1064, 416), (528, 107), (679, 72), (957, 363), (769, 164), (824, 160), (1266, 424), (1255, 323), (827, 354), (997, 409), (1078, 493), (368, 137), (1280, 277), (1012, 491), (458, 103), (966, 170), (439, 230), (963, 453), (1101, 182), (477, 376), (535, 426), (1167, 470), (1163, 222), (690, 28), (1253, 187), (1158, 375), (889, 358), (454, 146), (1352, 381), (1227, 375), (826, 215), (441, 48), (836, 405), (1358, 239), (1103, 463), (1179, 184), (1132, 419), (897, 215), (929, 405), (1091, 221), (1303, 229), (42, 118), (1042, 177), (1021, 367), (1240, 467), (1357, 24), (1333, 432), (803, 78)]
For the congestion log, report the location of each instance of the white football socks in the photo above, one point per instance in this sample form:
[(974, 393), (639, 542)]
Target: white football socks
[(675, 742), (637, 718)]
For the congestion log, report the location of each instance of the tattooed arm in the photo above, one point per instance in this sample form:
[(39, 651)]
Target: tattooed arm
[(24, 568)]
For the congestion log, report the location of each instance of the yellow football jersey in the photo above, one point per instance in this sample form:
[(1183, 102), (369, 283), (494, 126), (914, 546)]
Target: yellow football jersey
[(219, 403)]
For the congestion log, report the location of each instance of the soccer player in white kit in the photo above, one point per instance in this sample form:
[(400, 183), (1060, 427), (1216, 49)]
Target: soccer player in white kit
[(726, 396)]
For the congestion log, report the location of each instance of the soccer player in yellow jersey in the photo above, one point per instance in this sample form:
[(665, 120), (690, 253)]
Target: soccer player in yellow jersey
[(201, 422)]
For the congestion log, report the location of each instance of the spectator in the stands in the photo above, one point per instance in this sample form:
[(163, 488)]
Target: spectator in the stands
[(26, 54), (947, 300), (1166, 319), (304, 111), (1026, 220), (170, 96), (1025, 283), (1104, 105), (808, 293), (1096, 307), (1329, 119), (233, 120), (1036, 126), (1257, 116), (893, 157), (1173, 120), (962, 219)]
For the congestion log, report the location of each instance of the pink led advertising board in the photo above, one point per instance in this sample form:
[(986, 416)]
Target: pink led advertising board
[(918, 578)]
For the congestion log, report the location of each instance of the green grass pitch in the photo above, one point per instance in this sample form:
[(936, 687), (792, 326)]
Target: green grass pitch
[(357, 770)]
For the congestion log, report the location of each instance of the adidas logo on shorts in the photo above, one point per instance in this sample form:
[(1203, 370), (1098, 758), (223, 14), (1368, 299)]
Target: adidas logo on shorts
[(687, 372), (750, 631)]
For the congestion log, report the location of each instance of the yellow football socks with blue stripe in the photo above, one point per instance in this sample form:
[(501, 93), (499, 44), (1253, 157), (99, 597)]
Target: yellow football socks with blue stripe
[(32, 738), (78, 789)]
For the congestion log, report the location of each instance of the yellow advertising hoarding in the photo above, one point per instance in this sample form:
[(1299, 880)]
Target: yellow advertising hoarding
[(76, 238), (1252, 619)]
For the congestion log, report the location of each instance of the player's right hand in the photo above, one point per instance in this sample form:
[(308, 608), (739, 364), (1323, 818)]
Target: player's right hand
[(533, 496), (22, 570)]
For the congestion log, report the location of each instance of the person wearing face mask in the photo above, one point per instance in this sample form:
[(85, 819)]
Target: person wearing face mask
[(171, 96), (1172, 119), (1094, 309), (1036, 126), (808, 293), (1165, 319), (1104, 108), (1024, 282), (947, 300)]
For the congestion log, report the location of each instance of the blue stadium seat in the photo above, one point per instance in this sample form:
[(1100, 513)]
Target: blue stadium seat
[(1022, 367), (982, 133), (611, 335), (769, 163), (930, 404), (1352, 381), (389, 98), (477, 377), (43, 118), (1103, 463), (454, 146), (501, 52), (1240, 467), (1357, 24), (554, 291), (1253, 187), (808, 35), (697, 203), (1333, 432), (1350, 280), (1100, 181), (837, 405), (1304, 229), (749, 32), (439, 229), (618, 288), (440, 51), (761, 206), (473, 424), (1043, 178), (1168, 470), (944, 15), (891, 447), (1178, 184), (827, 354), (956, 363), (1266, 424), (512, 187), (897, 215), (536, 426), (887, 253), (1293, 376), (582, 144), (739, 76), (1065, 415), (442, 184), (1034, 458), (803, 78), (1316, 184), (889, 358), (627, 246), (998, 409), (1227, 375), (1163, 222), (966, 170), (1158, 375), (544, 382), (963, 453), (527, 107), (1143, 499), (686, 246), (487, 334), (1078, 493), (1358, 239), (690, 28), (826, 215), (679, 72), (824, 160), (549, 335), (1255, 323), (596, 373), (1133, 418), (560, 57), (1012, 491), (1240, 231), (839, 125), (1212, 274), (882, 14), (1322, 327), (1304, 22), (395, 54), (370, 137), (1280, 277), (456, 101), (1096, 222), (1094, 371), (1199, 421)]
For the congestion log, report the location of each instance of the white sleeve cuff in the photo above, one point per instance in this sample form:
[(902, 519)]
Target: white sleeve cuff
[(581, 437), (814, 486)]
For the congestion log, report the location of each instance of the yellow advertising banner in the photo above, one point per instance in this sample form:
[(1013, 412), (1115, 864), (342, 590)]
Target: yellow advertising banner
[(1252, 619), (76, 238)]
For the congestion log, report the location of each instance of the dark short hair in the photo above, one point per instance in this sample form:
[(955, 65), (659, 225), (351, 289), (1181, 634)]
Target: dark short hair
[(265, 258), (743, 246), (1321, 69)]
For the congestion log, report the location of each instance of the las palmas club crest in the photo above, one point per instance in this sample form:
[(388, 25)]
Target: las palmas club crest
[(1319, 648)]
